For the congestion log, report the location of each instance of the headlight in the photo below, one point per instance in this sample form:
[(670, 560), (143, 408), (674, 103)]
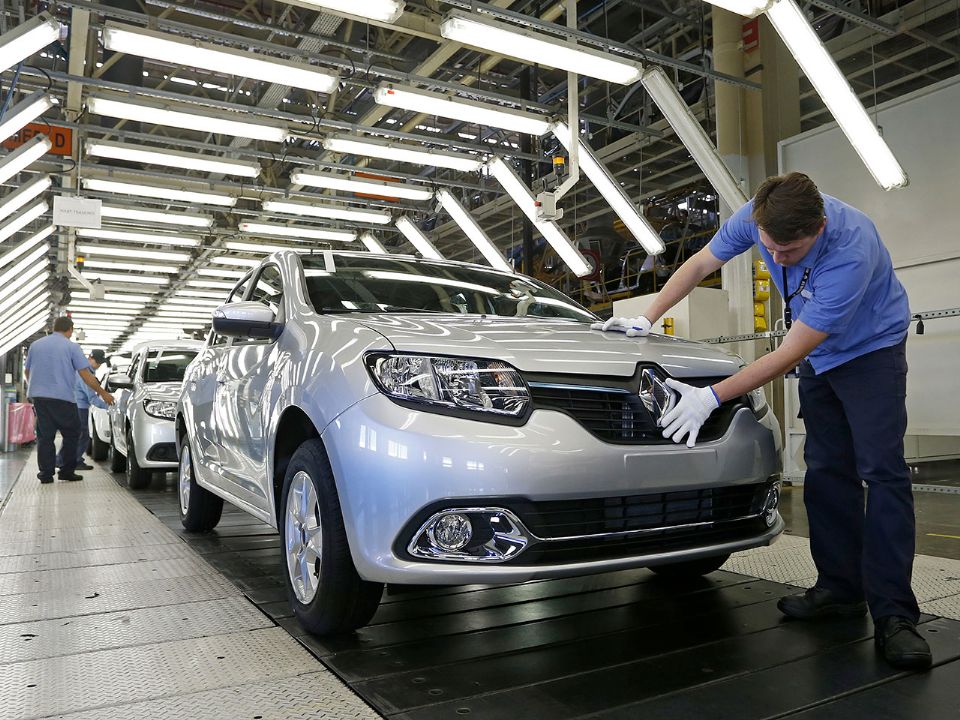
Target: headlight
[(758, 402), (163, 409), (482, 386)]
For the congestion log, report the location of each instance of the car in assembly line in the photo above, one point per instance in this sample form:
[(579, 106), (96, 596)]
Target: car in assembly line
[(409, 421), (142, 438)]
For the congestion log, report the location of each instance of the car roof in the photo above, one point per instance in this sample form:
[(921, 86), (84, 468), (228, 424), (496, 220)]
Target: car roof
[(168, 345)]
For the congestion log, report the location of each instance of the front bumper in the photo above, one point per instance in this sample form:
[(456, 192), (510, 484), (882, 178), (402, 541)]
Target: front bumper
[(154, 441), (393, 464)]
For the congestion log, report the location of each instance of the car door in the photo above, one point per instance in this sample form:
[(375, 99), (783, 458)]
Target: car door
[(118, 411), (245, 378)]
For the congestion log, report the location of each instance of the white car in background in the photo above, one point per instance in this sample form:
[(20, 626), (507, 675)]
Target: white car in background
[(142, 438), (99, 418)]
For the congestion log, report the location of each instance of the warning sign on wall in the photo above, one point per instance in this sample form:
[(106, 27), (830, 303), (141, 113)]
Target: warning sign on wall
[(61, 137)]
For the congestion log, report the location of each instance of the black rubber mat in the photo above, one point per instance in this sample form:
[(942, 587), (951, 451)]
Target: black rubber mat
[(618, 645)]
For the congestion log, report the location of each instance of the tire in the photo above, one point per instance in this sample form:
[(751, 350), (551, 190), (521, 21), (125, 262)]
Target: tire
[(691, 568), (200, 509), (98, 448), (332, 598), (118, 463), (137, 477)]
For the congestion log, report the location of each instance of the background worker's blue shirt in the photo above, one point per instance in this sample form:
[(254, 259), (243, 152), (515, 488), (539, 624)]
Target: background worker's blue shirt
[(85, 395), (53, 362), (852, 292)]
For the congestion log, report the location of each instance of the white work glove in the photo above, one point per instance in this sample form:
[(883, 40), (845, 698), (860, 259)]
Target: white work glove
[(632, 327), (688, 415)]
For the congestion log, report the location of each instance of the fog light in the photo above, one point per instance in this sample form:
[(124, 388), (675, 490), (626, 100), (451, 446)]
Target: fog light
[(452, 532), (771, 505)]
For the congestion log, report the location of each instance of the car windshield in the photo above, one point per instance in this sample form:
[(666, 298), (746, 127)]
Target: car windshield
[(167, 365), (380, 284)]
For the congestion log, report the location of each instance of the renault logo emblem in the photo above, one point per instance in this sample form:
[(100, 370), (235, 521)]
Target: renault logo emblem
[(655, 395)]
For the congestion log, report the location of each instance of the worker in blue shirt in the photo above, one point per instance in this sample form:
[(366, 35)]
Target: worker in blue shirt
[(85, 397), (53, 363), (847, 317)]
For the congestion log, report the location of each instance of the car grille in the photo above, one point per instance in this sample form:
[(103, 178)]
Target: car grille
[(617, 415)]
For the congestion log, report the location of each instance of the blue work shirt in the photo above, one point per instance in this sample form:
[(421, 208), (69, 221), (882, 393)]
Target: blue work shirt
[(852, 292), (53, 363), (85, 395)]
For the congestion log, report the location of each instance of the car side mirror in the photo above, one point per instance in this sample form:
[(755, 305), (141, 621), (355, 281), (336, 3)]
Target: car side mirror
[(248, 319), (119, 382)]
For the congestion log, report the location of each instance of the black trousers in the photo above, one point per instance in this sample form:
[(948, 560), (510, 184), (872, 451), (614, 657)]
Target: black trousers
[(83, 436), (855, 419), (53, 416)]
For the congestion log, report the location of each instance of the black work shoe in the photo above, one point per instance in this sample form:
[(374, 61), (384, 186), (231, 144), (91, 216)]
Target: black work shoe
[(84, 466), (45, 478), (819, 603), (901, 643), (74, 476)]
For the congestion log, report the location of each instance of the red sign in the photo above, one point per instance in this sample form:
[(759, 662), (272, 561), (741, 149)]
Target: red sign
[(372, 176), (61, 137), (750, 35)]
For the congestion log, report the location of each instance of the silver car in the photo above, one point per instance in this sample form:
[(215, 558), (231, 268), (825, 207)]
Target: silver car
[(417, 422), (99, 418), (142, 437)]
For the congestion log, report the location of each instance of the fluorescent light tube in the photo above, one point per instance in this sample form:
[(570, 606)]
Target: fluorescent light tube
[(25, 245), (189, 118), (193, 53), (493, 36), (401, 153), (473, 231), (15, 274), (132, 253), (420, 241), (195, 302), (138, 237), (836, 93), (295, 231), (120, 265), (17, 199), (202, 294), (171, 158), (104, 312), (613, 193), (25, 313), (747, 8), (455, 108), (382, 10), (693, 136), (159, 192), (23, 219), (218, 284), (261, 248), (122, 278), (24, 156), (26, 39), (329, 212), (224, 260), (25, 111), (372, 244), (331, 181), (35, 283), (13, 332), (221, 273), (155, 216), (14, 339), (113, 297), (551, 232)]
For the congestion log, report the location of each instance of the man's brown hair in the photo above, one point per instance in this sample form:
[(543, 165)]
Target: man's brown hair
[(62, 324), (788, 207)]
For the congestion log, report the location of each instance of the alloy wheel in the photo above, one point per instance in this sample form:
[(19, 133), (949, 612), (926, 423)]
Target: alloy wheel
[(302, 537)]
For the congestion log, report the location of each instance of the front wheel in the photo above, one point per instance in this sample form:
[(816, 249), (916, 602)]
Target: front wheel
[(200, 509), (690, 568), (137, 477), (326, 593)]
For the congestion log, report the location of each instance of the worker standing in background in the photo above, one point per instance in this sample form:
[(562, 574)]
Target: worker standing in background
[(85, 397), (849, 339), (53, 363)]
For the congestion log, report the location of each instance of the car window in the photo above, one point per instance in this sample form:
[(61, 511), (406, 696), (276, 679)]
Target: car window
[(379, 284), (166, 365), (268, 289), (236, 295), (134, 366)]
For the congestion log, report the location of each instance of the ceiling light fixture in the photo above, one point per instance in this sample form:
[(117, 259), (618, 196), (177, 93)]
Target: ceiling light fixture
[(108, 277), (25, 245), (331, 181), (19, 273), (17, 199), (456, 108), (416, 237), (159, 192), (23, 219), (132, 253), (189, 117), (328, 212), (262, 248), (27, 290), (747, 8), (612, 192), (26, 39), (472, 230), (155, 216), (113, 297), (551, 232), (297, 231), (138, 237), (218, 284), (400, 152), (221, 273), (171, 158), (372, 244), (25, 111), (227, 260), (485, 33), (120, 265), (193, 53), (24, 156), (382, 10)]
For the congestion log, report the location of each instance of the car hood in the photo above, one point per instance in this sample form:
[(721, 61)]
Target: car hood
[(545, 345), (162, 390)]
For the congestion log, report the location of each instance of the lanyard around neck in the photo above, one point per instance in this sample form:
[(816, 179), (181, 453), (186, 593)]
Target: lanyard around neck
[(788, 296)]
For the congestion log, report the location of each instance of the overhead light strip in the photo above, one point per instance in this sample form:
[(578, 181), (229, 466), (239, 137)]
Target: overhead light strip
[(471, 228), (24, 156), (159, 192), (400, 152), (9, 204), (27, 38), (25, 245), (296, 231), (416, 237), (387, 11), (23, 219), (327, 212), (372, 244), (110, 251), (330, 181), (171, 158), (138, 237)]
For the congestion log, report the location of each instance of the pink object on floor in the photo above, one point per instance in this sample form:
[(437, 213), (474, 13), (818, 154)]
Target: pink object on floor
[(21, 423)]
